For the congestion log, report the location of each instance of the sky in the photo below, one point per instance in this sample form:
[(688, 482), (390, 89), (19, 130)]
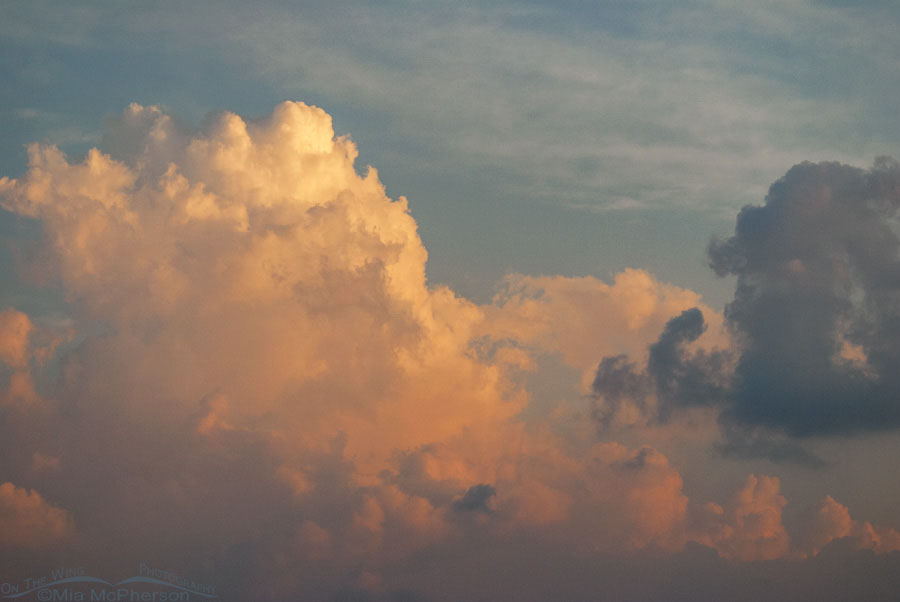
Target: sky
[(419, 301)]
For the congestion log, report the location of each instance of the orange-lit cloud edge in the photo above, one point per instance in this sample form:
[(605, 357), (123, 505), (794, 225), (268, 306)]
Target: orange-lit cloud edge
[(255, 355)]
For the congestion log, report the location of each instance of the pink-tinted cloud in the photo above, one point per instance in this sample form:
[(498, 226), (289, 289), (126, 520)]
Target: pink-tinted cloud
[(585, 318), (27, 520), (14, 330), (749, 526), (830, 520)]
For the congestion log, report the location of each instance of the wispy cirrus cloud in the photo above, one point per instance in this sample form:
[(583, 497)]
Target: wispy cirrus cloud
[(563, 104)]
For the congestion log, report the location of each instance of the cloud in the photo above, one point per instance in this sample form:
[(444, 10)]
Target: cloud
[(750, 526), (815, 304), (581, 318), (476, 499), (253, 326), (830, 521), (680, 381), (258, 374), (24, 347), (667, 116), (255, 248), (814, 321), (654, 505), (675, 378), (749, 443), (27, 520), (14, 330), (252, 315)]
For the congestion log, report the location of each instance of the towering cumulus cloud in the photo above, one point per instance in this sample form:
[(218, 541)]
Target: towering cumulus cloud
[(247, 272), (256, 385), (256, 343)]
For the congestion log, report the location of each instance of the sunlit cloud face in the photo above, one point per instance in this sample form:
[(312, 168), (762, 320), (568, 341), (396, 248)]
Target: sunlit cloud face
[(27, 520), (255, 373), (252, 265), (250, 306)]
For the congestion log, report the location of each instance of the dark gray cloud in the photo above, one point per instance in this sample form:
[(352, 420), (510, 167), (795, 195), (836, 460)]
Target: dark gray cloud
[(476, 499), (674, 375), (683, 378), (818, 273), (815, 318), (617, 381), (747, 443)]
